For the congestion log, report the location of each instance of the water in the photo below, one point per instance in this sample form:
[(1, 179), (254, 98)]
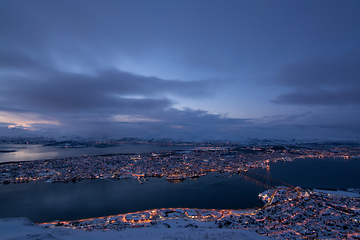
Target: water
[(43, 202), (28, 152), (333, 173)]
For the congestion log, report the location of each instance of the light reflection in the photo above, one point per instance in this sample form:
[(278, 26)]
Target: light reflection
[(258, 182)]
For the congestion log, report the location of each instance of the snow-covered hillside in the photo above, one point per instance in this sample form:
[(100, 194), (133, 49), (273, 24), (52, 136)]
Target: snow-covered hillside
[(24, 229)]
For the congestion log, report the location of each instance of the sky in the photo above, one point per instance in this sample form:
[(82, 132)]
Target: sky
[(189, 70)]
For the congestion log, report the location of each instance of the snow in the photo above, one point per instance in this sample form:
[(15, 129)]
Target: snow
[(338, 193), (243, 211), (24, 229)]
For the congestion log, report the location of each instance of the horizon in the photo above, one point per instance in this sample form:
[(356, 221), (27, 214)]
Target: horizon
[(182, 70)]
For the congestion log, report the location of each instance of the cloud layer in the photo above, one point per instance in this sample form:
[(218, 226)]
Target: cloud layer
[(331, 81), (28, 85), (191, 70)]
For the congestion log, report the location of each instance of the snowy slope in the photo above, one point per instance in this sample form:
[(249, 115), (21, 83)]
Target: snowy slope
[(24, 229), (339, 193)]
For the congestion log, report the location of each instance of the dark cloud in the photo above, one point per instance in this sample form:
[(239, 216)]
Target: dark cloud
[(12, 61), (195, 125), (187, 117), (30, 85), (16, 131), (325, 81), (119, 68), (204, 35), (323, 71), (343, 120), (321, 97), (186, 124)]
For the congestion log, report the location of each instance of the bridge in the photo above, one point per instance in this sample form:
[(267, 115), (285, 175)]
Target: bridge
[(265, 177), (270, 203)]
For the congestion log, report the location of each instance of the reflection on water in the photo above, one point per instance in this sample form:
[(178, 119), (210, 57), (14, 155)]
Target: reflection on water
[(316, 173), (268, 172), (23, 152), (264, 183), (29, 152), (94, 198)]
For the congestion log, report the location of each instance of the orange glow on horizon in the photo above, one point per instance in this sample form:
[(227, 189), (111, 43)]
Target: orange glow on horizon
[(23, 120)]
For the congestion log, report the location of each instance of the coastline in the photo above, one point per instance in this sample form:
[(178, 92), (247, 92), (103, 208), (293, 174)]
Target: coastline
[(24, 229), (289, 213)]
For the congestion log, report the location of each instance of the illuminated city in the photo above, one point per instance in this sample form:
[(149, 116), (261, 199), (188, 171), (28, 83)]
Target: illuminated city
[(289, 212), (187, 164), (181, 119)]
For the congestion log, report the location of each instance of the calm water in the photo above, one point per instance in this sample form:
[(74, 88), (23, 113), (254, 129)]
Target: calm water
[(94, 198), (316, 173), (24, 152), (43, 202)]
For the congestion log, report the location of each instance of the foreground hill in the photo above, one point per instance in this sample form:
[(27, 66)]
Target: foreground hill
[(24, 229)]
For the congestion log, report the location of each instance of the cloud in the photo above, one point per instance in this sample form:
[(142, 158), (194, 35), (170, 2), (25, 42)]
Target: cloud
[(325, 81), (190, 116), (321, 97), (120, 68), (195, 125), (185, 124), (343, 120), (198, 125), (106, 102), (31, 86)]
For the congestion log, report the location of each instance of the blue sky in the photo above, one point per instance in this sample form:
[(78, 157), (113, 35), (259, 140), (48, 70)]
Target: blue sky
[(181, 69)]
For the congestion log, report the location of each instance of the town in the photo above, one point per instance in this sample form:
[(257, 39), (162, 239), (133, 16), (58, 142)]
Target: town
[(174, 165), (289, 213)]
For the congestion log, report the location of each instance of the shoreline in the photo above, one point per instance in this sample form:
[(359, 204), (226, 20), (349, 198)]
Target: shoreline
[(289, 213), (201, 215), (24, 229)]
